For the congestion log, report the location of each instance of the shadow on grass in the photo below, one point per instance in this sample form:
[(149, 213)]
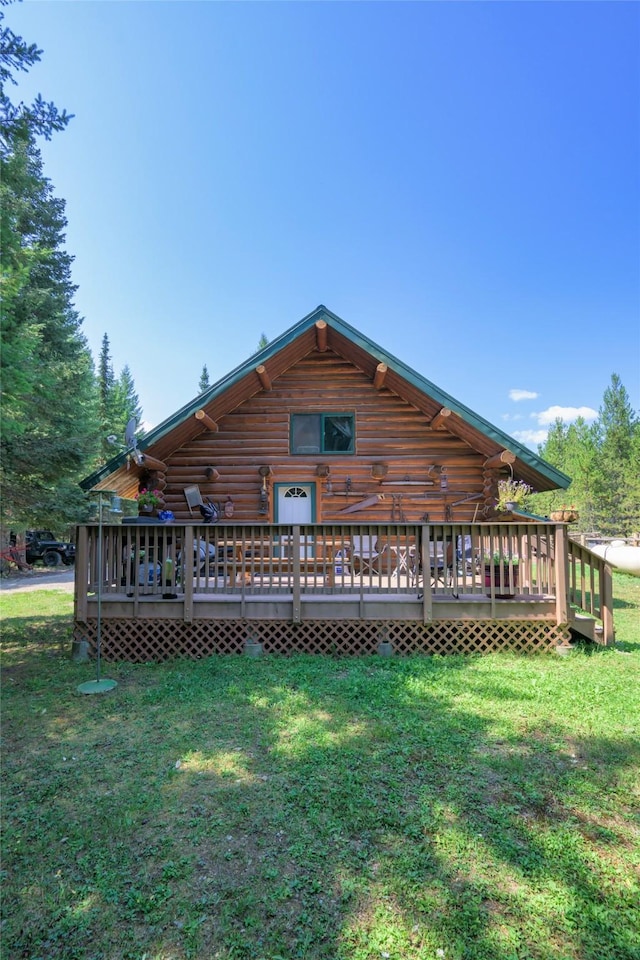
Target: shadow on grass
[(317, 809), (27, 638)]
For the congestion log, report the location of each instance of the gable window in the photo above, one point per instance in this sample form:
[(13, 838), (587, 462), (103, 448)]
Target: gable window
[(322, 433)]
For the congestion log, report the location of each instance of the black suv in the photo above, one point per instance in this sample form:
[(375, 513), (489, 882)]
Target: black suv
[(42, 545)]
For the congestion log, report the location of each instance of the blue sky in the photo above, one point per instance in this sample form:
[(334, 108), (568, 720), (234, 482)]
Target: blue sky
[(458, 181)]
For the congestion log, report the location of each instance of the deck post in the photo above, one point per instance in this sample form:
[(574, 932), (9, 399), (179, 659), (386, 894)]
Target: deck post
[(608, 635), (187, 573), (82, 543), (425, 560), (295, 566), (561, 573)]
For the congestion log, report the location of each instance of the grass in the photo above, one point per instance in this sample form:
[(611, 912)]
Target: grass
[(466, 808)]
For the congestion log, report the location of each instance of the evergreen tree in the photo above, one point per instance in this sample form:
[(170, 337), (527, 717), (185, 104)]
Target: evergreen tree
[(49, 410), (125, 403), (204, 380), (40, 118), (616, 487), (602, 461), (572, 449), (262, 342), (117, 399), (106, 384)]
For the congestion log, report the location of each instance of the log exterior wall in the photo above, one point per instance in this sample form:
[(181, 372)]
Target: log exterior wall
[(388, 429)]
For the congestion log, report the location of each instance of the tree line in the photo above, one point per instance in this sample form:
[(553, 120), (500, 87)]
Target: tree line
[(603, 460)]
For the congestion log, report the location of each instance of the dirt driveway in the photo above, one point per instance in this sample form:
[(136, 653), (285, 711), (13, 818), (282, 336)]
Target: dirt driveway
[(40, 578)]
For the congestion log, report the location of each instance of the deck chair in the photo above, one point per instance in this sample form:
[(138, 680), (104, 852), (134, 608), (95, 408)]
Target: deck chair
[(365, 556), (440, 564)]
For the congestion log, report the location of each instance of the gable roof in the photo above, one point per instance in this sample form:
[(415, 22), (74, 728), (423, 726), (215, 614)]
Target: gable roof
[(242, 382)]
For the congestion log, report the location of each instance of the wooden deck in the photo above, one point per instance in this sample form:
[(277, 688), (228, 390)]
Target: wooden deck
[(182, 589)]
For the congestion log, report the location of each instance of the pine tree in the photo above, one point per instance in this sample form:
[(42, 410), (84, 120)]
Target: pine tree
[(49, 410), (602, 460), (616, 487), (117, 399), (125, 403), (204, 380), (106, 383)]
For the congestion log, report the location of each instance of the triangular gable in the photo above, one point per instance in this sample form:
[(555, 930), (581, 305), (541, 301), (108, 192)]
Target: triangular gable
[(552, 477)]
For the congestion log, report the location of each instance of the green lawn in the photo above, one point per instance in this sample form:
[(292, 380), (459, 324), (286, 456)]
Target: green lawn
[(462, 807)]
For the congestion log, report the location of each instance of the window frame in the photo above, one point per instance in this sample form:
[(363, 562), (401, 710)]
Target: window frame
[(323, 415)]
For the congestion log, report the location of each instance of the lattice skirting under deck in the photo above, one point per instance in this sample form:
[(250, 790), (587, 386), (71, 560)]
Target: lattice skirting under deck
[(141, 641)]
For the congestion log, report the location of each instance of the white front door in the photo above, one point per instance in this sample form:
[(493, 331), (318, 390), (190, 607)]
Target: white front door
[(295, 503)]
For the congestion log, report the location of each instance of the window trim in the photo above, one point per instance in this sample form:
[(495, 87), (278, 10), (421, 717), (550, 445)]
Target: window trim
[(322, 415)]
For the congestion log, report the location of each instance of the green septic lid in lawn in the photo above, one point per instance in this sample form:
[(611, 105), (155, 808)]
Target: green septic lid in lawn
[(97, 686)]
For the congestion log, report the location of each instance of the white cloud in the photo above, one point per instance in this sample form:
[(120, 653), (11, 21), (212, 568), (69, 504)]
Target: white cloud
[(532, 438), (566, 414), (512, 416), (518, 395)]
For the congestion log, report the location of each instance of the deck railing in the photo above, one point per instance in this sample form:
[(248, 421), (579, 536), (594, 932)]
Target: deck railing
[(166, 560), (591, 586)]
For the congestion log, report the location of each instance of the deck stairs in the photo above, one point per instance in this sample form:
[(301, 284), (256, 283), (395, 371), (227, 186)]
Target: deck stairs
[(585, 627)]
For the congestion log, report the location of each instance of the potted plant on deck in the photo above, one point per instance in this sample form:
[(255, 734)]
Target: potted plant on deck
[(501, 572), (512, 495), (148, 500)]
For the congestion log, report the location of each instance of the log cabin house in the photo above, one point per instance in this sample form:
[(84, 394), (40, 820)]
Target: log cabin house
[(355, 512)]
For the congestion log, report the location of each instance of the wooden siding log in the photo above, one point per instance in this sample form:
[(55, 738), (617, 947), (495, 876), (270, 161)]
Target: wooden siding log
[(321, 335), (264, 377), (205, 420), (380, 374)]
